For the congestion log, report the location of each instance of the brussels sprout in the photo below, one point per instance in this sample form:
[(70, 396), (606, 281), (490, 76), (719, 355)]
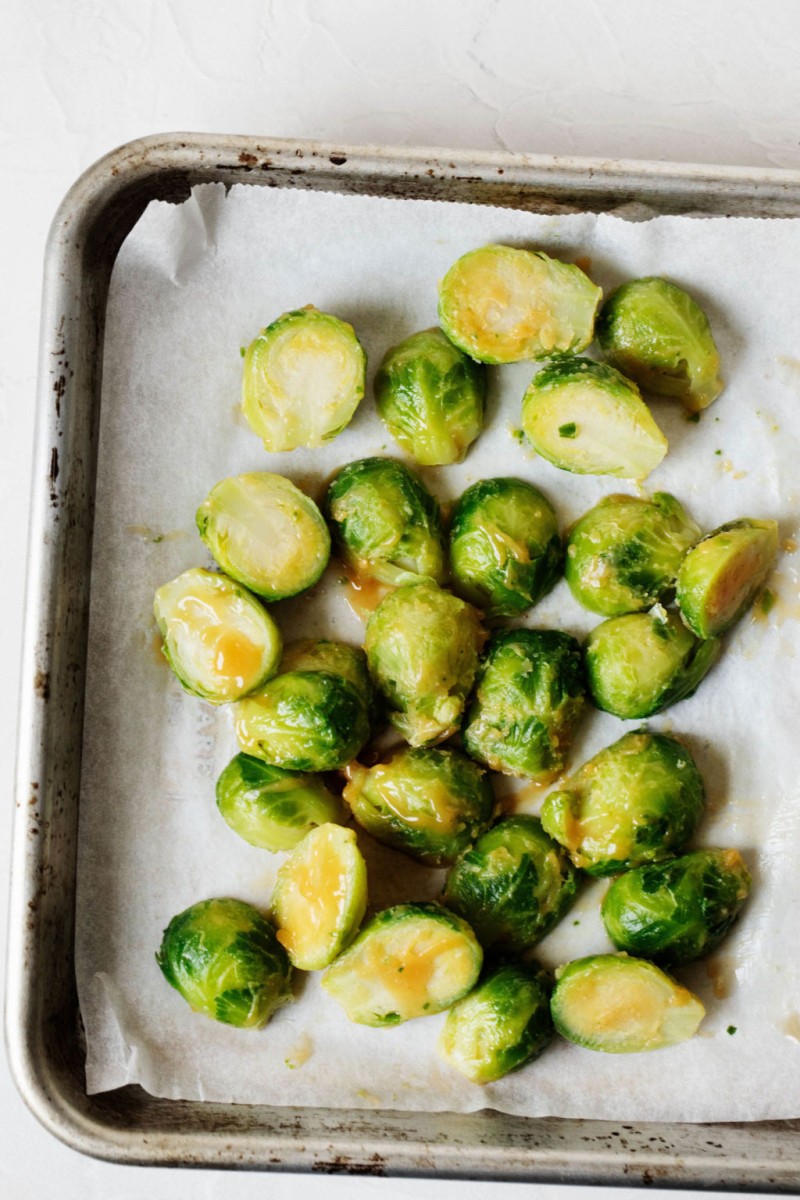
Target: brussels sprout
[(226, 961), (720, 577), (303, 379), (513, 886), (272, 808), (412, 960), (422, 647), (529, 697), (386, 524), (505, 550), (304, 720), (431, 804), (640, 664), (622, 1005), (431, 398), (638, 801), (501, 1025), (500, 305), (679, 910), (320, 897), (658, 335), (585, 417), (265, 533), (220, 642), (624, 553), (308, 654)]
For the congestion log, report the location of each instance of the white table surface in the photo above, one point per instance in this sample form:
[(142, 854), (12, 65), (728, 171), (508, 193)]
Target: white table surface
[(692, 80)]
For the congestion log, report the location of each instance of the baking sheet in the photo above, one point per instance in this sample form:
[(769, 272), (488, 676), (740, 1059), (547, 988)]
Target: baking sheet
[(193, 284)]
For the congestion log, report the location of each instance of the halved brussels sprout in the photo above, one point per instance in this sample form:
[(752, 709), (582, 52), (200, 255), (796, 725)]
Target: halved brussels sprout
[(431, 397), (337, 658), (265, 533), (386, 524), (272, 808), (303, 379), (623, 554), (513, 886), (219, 640), (642, 663), (304, 721), (505, 550), (225, 959), (501, 1025), (320, 897), (585, 417), (720, 578), (500, 304), (422, 647), (431, 804), (679, 910), (529, 697), (658, 335), (408, 961), (637, 801), (622, 1005)]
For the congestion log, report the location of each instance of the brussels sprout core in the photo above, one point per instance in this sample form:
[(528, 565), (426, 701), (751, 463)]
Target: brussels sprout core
[(272, 808), (720, 577)]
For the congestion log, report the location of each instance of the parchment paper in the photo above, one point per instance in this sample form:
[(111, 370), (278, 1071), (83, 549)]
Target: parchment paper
[(192, 285)]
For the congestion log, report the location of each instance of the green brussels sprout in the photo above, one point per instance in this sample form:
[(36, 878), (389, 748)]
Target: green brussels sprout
[(622, 1005), (431, 398), (501, 1025), (528, 699), (720, 577), (585, 417), (304, 721), (272, 808), (500, 304), (625, 552), (226, 961), (422, 647), (430, 803), (412, 960), (513, 886), (219, 640), (303, 379), (386, 524), (679, 910), (265, 533), (637, 801), (658, 335), (309, 654), (642, 663), (505, 550), (320, 897)]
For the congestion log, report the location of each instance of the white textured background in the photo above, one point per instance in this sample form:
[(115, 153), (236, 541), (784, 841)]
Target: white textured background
[(692, 80)]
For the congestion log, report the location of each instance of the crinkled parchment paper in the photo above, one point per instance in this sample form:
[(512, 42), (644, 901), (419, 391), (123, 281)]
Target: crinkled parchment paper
[(192, 285)]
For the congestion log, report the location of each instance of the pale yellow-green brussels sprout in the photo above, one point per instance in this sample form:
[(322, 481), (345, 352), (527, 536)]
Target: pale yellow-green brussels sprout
[(265, 533), (270, 807), (219, 640), (721, 576), (303, 379), (320, 654)]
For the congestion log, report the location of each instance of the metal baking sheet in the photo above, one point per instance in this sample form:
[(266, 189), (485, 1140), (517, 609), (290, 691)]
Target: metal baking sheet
[(42, 1016)]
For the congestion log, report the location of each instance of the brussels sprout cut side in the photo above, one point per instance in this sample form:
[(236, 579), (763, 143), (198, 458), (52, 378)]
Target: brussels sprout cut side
[(721, 576), (265, 533), (622, 1005), (501, 1025), (226, 961), (303, 379), (219, 640), (658, 335), (272, 808), (585, 417), (320, 897), (505, 549), (638, 801), (431, 398), (679, 910), (412, 960), (500, 305)]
